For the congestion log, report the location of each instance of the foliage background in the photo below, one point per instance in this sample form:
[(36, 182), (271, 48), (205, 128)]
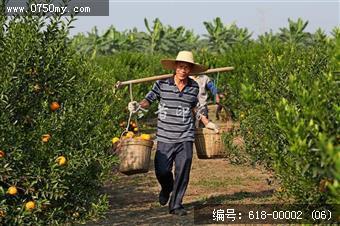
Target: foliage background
[(283, 91)]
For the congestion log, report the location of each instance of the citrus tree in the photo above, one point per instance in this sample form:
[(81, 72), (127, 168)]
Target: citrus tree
[(285, 96), (55, 125)]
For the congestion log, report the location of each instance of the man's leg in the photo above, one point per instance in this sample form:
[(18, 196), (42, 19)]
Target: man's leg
[(164, 159), (183, 161)]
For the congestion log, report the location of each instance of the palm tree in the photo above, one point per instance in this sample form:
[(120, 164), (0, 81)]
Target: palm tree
[(176, 39), (295, 33), (93, 42), (222, 37), (319, 37), (155, 34), (217, 35), (268, 38)]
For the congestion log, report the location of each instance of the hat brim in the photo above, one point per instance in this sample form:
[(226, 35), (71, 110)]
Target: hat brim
[(170, 64)]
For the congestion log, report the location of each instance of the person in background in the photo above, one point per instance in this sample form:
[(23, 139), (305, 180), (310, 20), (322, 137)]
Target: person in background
[(206, 84)]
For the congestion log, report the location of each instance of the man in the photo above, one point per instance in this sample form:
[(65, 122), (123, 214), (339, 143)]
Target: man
[(175, 127)]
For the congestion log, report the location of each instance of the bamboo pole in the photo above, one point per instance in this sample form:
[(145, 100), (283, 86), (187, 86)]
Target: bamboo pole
[(158, 77)]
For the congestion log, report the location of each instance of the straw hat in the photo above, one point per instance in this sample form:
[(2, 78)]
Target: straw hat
[(183, 56)]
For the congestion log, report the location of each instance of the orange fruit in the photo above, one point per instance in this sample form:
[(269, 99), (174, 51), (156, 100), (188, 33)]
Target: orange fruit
[(54, 106), (115, 140), (12, 190), (135, 129), (30, 205), (45, 138), (129, 134), (2, 154), (145, 136), (134, 125), (61, 160), (122, 124)]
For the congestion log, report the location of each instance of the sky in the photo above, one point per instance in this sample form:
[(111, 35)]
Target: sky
[(257, 16)]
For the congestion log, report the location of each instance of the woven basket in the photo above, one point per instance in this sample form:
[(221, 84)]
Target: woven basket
[(208, 144), (135, 156)]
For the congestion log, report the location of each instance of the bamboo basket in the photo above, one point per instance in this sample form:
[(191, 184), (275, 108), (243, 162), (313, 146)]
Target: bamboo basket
[(208, 144), (135, 156)]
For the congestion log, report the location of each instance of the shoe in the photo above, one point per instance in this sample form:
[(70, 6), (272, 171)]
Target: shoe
[(179, 212), (163, 197)]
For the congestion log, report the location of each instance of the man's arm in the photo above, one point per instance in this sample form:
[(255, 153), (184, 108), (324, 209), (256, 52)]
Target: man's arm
[(145, 104), (217, 98), (214, 91)]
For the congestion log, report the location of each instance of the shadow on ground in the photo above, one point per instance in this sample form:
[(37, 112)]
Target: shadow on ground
[(141, 208)]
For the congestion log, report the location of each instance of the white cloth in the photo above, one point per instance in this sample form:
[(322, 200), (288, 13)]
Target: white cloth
[(212, 126), (133, 106)]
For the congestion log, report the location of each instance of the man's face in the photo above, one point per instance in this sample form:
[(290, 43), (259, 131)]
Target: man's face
[(182, 70)]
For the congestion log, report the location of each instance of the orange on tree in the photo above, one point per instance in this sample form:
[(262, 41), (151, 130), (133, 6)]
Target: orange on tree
[(115, 140), (135, 129), (54, 106), (122, 124), (134, 125), (30, 205), (2, 154), (45, 138), (12, 190), (61, 160)]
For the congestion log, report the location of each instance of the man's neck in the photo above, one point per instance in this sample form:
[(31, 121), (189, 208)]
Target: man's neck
[(180, 82)]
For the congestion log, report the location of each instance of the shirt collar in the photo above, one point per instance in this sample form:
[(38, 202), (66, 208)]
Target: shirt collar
[(172, 81)]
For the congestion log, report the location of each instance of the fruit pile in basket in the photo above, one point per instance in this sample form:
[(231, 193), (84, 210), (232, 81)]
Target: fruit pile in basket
[(133, 134)]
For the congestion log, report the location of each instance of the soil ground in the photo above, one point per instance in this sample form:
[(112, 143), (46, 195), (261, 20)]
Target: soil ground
[(134, 199)]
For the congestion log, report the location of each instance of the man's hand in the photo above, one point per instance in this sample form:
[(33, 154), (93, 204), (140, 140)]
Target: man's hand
[(133, 106), (212, 126)]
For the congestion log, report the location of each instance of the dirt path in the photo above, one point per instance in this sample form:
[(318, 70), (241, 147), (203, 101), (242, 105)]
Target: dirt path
[(134, 199)]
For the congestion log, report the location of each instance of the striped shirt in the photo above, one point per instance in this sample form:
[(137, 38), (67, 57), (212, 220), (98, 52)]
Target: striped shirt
[(175, 118)]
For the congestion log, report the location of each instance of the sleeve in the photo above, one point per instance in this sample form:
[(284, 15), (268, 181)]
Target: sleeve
[(212, 88), (154, 94)]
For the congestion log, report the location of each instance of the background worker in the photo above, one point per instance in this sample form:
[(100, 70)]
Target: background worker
[(206, 84), (178, 98)]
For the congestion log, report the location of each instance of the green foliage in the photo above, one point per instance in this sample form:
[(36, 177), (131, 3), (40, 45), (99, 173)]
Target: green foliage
[(283, 90), (284, 96), (38, 68), (221, 37), (295, 34), (287, 96)]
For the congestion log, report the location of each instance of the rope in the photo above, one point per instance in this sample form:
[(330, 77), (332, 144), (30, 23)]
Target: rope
[(216, 85), (130, 115), (127, 126), (130, 89)]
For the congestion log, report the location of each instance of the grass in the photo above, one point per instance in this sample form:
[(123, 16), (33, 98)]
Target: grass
[(224, 183), (241, 198)]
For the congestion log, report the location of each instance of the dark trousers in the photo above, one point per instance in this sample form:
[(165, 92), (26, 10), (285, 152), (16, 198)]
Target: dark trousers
[(166, 155)]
